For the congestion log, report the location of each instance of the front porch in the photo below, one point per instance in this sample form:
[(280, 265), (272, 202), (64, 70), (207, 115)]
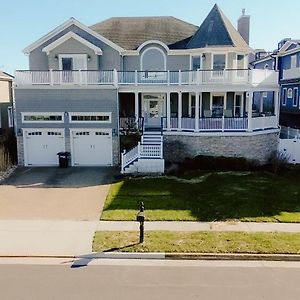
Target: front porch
[(199, 111)]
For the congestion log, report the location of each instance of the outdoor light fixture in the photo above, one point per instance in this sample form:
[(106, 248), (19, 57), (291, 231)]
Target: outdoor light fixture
[(88, 57), (203, 56), (56, 57), (20, 133)]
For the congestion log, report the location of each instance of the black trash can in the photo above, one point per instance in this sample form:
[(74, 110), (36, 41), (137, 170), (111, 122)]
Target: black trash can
[(63, 159)]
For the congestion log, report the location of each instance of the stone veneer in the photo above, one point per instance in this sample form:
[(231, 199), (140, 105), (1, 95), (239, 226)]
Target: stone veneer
[(252, 146)]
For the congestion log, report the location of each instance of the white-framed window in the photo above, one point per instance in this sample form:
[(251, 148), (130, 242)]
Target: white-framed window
[(240, 61), (295, 97), (283, 100), (293, 61), (90, 117), (69, 62), (10, 113), (196, 62), (219, 62), (42, 117), (290, 93)]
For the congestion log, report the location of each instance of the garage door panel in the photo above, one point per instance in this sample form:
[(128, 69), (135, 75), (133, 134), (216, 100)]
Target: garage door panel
[(91, 147), (42, 146)]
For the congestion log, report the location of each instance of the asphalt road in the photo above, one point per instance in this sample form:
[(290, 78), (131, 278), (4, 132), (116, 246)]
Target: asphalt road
[(141, 279)]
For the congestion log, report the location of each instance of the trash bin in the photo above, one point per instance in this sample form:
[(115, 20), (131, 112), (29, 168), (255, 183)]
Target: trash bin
[(63, 159)]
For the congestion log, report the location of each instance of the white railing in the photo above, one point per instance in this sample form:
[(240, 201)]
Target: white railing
[(199, 77), (145, 151), (222, 124), (261, 123), (291, 73), (64, 77), (128, 157)]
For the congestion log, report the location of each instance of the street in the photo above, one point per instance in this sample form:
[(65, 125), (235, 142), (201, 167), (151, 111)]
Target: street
[(147, 279)]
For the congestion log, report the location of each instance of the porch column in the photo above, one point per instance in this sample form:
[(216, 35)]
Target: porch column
[(179, 109), (190, 104), (168, 111), (249, 97), (261, 103), (197, 111), (136, 106), (276, 104)]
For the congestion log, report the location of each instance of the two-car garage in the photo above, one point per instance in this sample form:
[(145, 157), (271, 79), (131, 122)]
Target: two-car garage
[(88, 147)]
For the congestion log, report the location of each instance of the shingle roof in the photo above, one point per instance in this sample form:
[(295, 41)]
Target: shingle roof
[(130, 32), (216, 30)]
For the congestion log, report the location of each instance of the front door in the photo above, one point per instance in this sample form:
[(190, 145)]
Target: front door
[(153, 110)]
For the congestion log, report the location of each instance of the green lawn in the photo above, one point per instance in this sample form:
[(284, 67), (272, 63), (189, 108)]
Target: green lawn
[(218, 196), (198, 242)]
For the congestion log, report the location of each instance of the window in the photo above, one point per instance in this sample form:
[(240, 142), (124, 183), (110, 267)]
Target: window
[(295, 97), (196, 63), (283, 100), (219, 61), (42, 117), (290, 93), (293, 61), (240, 61), (90, 117), (67, 63)]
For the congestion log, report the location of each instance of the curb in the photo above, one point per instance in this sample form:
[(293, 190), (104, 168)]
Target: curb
[(168, 256), (230, 256)]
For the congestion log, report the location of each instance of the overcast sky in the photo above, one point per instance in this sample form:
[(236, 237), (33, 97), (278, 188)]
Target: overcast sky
[(23, 22)]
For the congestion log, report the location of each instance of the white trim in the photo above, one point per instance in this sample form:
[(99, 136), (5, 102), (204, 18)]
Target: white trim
[(66, 55), (295, 93), (72, 130), (151, 48), (96, 114), (71, 35), (153, 42), (65, 25), (25, 130), (10, 115), (23, 114)]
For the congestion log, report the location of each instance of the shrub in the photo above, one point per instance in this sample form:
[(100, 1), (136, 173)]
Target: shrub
[(278, 161)]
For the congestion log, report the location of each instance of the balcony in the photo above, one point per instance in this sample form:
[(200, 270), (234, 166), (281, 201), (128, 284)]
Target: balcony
[(291, 74), (137, 78)]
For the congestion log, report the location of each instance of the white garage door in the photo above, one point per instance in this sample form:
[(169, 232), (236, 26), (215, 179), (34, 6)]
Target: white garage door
[(42, 145), (91, 147)]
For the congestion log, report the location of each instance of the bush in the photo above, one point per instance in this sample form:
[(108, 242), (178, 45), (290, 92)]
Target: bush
[(8, 151), (278, 161)]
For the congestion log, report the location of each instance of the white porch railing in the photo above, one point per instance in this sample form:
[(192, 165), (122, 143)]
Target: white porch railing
[(64, 77), (112, 77), (223, 124), (145, 151)]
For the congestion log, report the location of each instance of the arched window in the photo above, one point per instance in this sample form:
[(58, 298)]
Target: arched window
[(153, 59)]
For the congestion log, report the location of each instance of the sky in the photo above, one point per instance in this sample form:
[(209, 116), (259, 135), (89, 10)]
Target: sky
[(23, 22)]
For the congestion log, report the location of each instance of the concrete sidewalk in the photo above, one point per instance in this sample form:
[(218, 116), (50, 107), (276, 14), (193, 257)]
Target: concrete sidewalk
[(199, 226), (23, 238)]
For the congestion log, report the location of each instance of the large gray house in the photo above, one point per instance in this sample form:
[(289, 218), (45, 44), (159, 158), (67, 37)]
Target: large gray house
[(186, 89)]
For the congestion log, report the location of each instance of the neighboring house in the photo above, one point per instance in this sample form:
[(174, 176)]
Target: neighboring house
[(6, 102), (187, 89)]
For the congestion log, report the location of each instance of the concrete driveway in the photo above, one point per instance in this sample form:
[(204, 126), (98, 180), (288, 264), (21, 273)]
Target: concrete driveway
[(76, 194)]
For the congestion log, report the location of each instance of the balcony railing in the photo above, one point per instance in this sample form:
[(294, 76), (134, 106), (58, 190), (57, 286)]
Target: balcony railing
[(291, 74), (113, 77), (222, 124)]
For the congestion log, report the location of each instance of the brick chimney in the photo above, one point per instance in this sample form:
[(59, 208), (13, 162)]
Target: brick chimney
[(244, 26)]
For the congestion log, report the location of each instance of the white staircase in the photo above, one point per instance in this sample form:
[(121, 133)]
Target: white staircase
[(146, 157)]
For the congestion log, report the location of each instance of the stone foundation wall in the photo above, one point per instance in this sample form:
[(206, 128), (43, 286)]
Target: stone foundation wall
[(20, 148), (256, 147)]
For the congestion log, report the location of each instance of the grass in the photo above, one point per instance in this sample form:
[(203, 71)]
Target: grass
[(217, 196), (199, 242)]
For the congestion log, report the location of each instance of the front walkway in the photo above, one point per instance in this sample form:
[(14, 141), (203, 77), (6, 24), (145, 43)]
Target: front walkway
[(199, 226)]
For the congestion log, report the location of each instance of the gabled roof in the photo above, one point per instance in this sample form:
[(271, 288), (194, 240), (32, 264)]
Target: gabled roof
[(71, 21), (71, 35), (5, 76), (216, 30), (131, 32)]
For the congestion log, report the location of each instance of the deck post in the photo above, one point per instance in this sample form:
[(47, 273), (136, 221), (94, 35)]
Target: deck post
[(168, 111), (197, 111), (249, 97), (179, 109), (136, 106)]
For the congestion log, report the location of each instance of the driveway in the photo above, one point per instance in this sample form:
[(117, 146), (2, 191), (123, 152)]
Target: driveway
[(76, 194)]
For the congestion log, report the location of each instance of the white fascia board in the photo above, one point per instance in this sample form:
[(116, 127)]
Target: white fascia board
[(65, 25), (74, 36)]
